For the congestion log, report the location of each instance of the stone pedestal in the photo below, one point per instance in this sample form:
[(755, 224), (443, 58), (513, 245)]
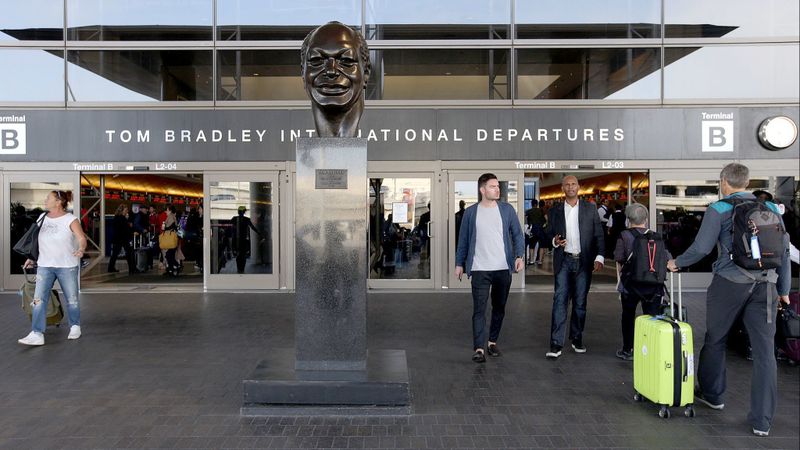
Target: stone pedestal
[(330, 371)]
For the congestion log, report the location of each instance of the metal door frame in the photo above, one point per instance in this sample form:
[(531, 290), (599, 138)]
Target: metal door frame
[(14, 281), (435, 228), (213, 282), (449, 279)]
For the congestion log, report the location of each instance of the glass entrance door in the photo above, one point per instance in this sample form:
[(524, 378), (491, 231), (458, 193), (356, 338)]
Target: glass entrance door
[(23, 197), (241, 216), (402, 250), (463, 193)]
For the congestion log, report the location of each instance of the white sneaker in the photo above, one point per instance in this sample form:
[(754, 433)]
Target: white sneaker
[(33, 338), (74, 332), (760, 433)]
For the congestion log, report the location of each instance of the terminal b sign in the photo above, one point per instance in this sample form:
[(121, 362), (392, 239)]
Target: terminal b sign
[(13, 138)]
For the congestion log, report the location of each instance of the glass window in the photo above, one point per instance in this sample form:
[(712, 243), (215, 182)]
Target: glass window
[(260, 75), (680, 207), (276, 20), (32, 75), (400, 218), (140, 20), (32, 20), (587, 19), (139, 75), (734, 72), (731, 18), (442, 19), (452, 74), (26, 202), (241, 227), (588, 73)]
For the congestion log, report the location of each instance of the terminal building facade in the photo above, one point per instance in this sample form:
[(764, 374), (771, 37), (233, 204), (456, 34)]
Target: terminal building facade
[(198, 104)]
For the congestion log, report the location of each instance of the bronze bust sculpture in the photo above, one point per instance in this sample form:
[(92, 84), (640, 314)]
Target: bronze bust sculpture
[(335, 69)]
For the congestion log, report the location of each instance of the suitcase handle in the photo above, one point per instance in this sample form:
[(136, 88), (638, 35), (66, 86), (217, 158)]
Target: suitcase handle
[(672, 296)]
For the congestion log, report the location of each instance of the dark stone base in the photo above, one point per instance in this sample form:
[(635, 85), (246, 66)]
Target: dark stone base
[(277, 388)]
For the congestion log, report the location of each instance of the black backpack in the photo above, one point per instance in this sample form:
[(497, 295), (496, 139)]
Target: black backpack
[(754, 218), (647, 264)]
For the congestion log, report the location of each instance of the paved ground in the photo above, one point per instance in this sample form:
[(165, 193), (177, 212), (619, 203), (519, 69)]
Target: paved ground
[(165, 371)]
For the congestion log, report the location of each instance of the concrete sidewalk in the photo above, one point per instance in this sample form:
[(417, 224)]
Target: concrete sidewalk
[(165, 371)]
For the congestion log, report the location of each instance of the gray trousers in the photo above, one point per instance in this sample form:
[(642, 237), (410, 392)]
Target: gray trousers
[(726, 300)]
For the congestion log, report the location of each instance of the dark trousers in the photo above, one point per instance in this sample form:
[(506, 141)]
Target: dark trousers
[(241, 258), (572, 282), (650, 306), (726, 300), (499, 282), (172, 263), (115, 250)]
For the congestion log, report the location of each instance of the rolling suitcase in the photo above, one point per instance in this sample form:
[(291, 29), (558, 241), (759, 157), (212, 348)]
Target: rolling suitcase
[(143, 255), (55, 312), (663, 359)]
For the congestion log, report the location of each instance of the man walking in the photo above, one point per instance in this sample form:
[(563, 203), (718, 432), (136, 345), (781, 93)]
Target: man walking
[(734, 292), (578, 248), (490, 246)]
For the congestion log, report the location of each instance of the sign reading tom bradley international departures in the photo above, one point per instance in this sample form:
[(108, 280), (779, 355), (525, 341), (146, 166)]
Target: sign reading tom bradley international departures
[(392, 134)]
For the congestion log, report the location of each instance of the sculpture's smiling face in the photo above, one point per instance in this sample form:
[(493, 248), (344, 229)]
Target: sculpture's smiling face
[(333, 73)]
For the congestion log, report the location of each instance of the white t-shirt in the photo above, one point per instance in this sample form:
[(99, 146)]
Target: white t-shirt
[(490, 252), (57, 243)]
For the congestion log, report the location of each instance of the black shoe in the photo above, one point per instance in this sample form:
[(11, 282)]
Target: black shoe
[(578, 347), (702, 399), (493, 350), (626, 355), (554, 353), (478, 356)]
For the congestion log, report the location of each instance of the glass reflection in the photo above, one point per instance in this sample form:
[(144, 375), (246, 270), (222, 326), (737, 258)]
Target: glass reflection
[(141, 20), (241, 227), (588, 73), (453, 74), (275, 20), (400, 218), (728, 72), (32, 20), (26, 204), (259, 75), (588, 19), (731, 18), (442, 19), (681, 205), (32, 75), (139, 75)]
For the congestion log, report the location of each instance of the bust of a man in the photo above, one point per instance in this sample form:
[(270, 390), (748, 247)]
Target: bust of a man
[(335, 68)]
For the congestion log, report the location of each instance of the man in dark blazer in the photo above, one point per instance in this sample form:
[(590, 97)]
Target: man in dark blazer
[(578, 248)]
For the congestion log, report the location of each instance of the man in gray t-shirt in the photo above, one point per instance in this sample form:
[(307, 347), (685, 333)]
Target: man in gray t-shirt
[(490, 246)]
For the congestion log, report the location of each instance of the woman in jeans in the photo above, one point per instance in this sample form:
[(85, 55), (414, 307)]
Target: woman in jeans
[(61, 246)]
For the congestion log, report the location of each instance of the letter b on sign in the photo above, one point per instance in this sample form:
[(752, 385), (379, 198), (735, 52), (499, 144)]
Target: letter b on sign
[(717, 135), (12, 139)]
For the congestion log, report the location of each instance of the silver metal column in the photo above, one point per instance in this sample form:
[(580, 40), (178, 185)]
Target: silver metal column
[(331, 254)]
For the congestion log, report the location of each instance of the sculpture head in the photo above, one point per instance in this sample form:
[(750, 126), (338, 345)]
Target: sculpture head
[(335, 69)]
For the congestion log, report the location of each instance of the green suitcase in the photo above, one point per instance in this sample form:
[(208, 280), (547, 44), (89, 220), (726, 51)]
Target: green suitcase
[(663, 361)]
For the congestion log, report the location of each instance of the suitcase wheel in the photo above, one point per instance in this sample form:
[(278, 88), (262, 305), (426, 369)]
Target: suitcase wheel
[(637, 397), (664, 412), (689, 411)]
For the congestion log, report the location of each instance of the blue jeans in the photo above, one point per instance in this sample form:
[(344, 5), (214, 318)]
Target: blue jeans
[(572, 282), (500, 282), (45, 278)]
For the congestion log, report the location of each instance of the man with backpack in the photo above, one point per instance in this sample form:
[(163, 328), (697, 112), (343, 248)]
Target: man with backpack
[(752, 269), (641, 258)]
